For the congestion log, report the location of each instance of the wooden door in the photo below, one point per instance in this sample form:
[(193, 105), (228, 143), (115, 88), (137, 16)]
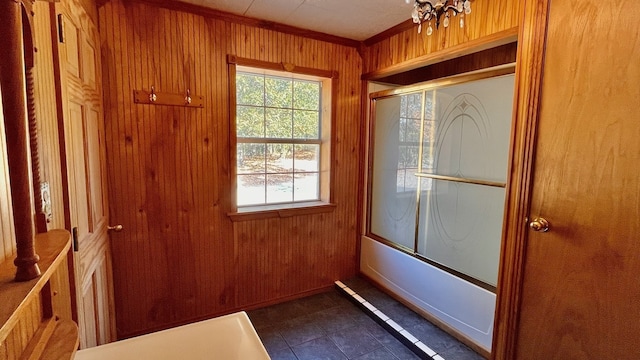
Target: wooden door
[(580, 291), (85, 164)]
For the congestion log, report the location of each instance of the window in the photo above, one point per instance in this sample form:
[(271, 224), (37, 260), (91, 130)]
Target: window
[(408, 142), (283, 138)]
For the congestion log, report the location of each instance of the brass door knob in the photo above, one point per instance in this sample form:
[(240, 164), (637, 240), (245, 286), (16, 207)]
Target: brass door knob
[(116, 228), (539, 224)]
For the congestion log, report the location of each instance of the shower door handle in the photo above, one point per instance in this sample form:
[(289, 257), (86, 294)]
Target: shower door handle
[(539, 224)]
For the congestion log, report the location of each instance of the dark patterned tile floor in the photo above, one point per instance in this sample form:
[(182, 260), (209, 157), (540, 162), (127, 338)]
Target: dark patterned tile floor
[(328, 326)]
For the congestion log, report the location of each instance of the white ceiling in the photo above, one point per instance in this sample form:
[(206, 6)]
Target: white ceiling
[(353, 19)]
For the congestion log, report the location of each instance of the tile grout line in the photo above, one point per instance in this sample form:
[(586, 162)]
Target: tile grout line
[(406, 338)]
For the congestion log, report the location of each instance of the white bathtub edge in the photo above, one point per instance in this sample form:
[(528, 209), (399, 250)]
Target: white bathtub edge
[(465, 307)]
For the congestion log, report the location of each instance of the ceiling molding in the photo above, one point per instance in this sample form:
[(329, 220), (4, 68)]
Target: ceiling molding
[(405, 25), (263, 24)]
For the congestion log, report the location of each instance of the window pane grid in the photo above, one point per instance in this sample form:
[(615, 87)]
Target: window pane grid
[(279, 107), (283, 173), (279, 139), (250, 140), (408, 142)]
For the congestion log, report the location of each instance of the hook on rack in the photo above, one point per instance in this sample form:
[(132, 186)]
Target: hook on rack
[(160, 98), (152, 95)]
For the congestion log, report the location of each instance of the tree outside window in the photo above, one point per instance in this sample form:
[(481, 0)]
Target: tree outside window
[(281, 137)]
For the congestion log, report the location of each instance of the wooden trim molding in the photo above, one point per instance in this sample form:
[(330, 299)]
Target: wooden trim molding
[(233, 138), (504, 54), (529, 70), (267, 212), (12, 81), (333, 137), (484, 43), (363, 175), (288, 67), (405, 25), (263, 24)]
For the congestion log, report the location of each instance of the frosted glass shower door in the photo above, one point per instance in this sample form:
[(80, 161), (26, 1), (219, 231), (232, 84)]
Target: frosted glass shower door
[(438, 162), (463, 176), (438, 173), (395, 163)]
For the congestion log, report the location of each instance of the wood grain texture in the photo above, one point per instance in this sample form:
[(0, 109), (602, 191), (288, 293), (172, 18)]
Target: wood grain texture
[(489, 17), (529, 67), (34, 152), (51, 244), (501, 55), (580, 289), (180, 256), (16, 38), (85, 165), (55, 339), (403, 26), (61, 292), (25, 308), (7, 233), (46, 112), (24, 328)]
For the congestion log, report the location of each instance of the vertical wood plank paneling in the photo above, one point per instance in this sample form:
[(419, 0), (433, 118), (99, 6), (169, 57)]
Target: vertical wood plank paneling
[(27, 307), (61, 292), (24, 329), (169, 172), (46, 113), (7, 232), (488, 17), (46, 116)]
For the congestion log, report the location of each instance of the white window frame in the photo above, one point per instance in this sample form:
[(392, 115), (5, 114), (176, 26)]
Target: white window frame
[(326, 114)]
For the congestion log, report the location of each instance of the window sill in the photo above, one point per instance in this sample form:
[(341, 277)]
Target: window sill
[(280, 211)]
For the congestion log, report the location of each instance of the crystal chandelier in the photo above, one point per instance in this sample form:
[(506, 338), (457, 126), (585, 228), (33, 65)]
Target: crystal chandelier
[(427, 10)]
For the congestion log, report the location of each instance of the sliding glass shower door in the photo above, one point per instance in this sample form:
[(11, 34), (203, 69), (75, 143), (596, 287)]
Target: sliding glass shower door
[(438, 167), (396, 156)]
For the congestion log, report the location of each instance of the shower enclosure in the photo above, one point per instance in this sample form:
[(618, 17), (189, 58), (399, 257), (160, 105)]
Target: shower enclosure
[(438, 156)]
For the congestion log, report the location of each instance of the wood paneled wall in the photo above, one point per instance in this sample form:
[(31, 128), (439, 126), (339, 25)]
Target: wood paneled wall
[(35, 316), (169, 172), (500, 55), (46, 113), (48, 141), (24, 330), (488, 17), (7, 232)]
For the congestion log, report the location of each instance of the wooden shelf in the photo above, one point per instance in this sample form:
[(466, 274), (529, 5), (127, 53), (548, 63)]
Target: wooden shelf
[(52, 247), (55, 339)]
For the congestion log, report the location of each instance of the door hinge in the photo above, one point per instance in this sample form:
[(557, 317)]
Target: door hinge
[(74, 237), (61, 28)]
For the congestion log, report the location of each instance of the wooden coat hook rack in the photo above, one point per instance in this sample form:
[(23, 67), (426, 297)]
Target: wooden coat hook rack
[(158, 98)]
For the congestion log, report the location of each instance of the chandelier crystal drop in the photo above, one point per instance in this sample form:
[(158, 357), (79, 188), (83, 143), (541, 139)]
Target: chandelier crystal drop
[(428, 10)]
